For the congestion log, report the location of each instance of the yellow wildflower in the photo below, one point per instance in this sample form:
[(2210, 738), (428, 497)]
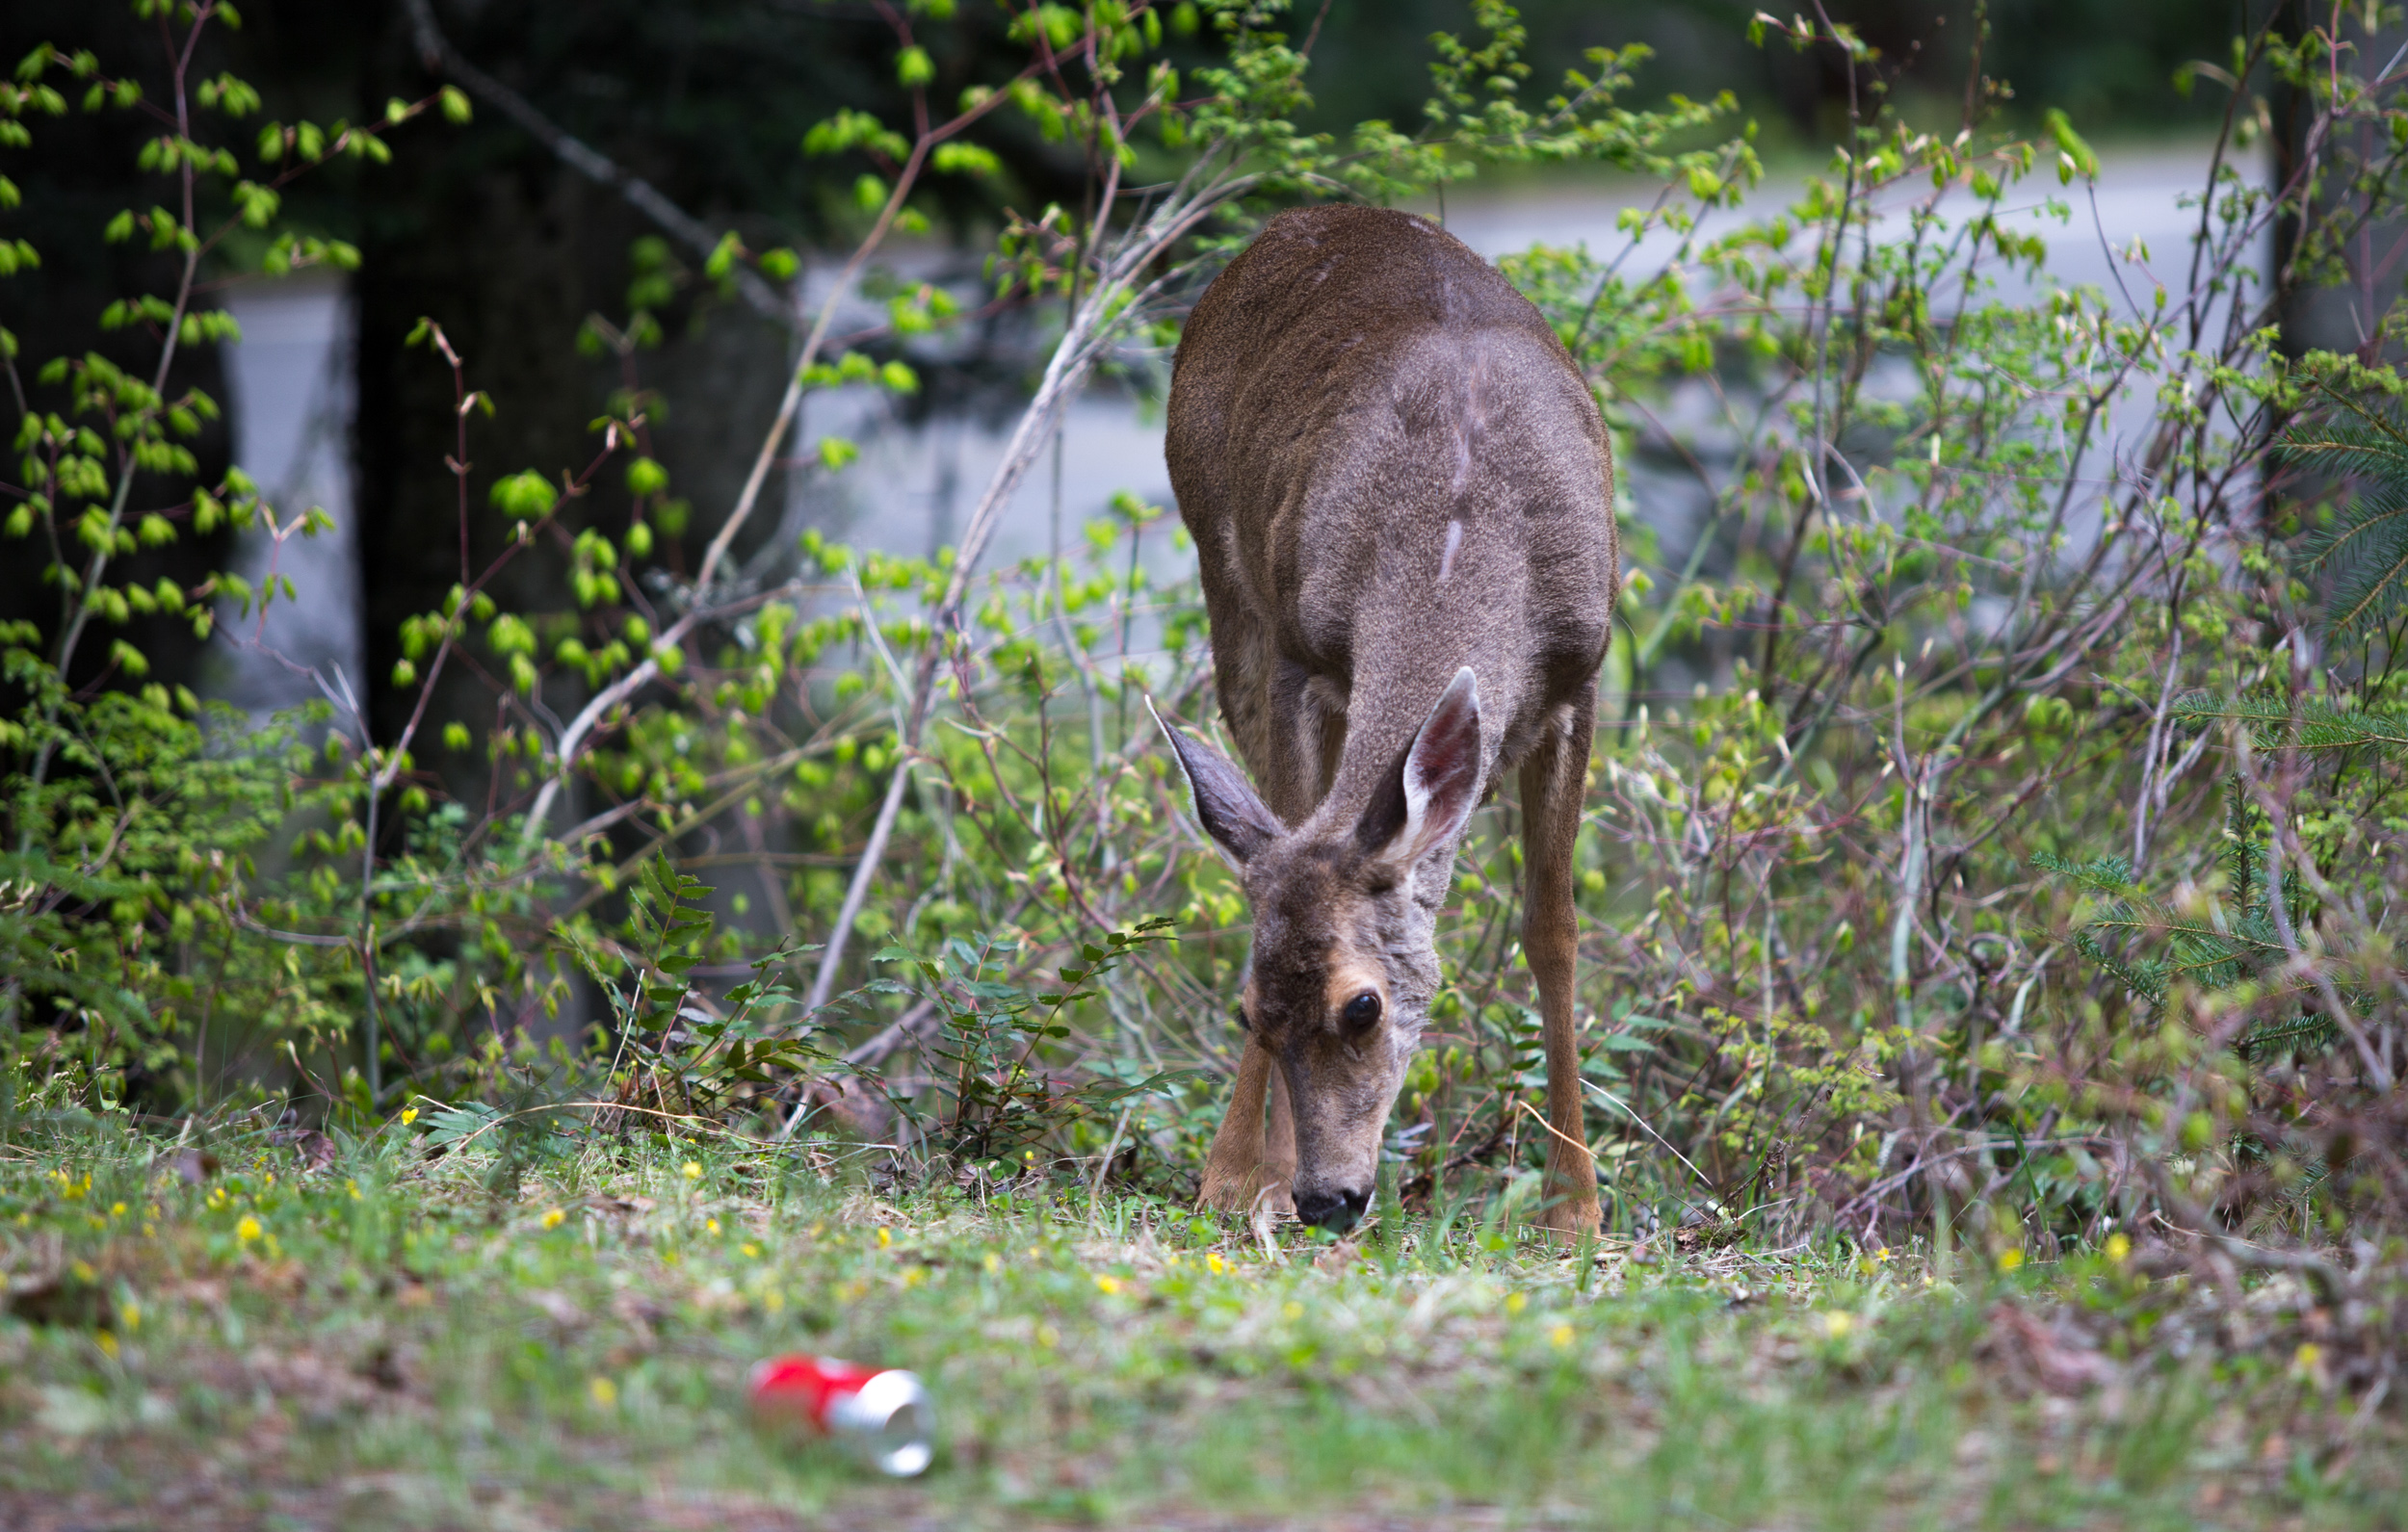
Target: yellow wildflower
[(1838, 1323), (2119, 1247), (1214, 1263), (604, 1392), (2009, 1259), (694, 1170), (1106, 1284), (994, 1262), (1561, 1337), (1515, 1303), (247, 1229), (554, 1217), (409, 1115), (885, 1237)]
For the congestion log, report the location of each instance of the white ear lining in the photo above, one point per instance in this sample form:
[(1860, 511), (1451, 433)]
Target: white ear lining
[(1428, 820), (1417, 815)]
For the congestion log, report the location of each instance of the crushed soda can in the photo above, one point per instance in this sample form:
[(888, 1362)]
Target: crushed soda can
[(883, 1412)]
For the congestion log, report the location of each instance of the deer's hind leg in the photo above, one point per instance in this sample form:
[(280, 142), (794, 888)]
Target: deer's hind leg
[(1251, 1164), (1553, 784)]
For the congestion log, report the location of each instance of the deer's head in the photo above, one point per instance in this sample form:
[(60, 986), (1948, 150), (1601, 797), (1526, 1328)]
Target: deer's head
[(1343, 968)]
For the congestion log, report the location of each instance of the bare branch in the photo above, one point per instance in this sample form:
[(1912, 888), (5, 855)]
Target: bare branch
[(437, 53)]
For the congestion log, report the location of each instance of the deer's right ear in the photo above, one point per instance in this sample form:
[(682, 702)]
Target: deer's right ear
[(1424, 803), (1225, 803)]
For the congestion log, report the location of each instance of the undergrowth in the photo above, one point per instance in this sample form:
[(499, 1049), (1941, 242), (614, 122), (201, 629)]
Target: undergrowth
[(364, 1333), (1988, 867)]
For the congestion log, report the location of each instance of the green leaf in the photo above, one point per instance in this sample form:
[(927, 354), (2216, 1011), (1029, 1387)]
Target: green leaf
[(958, 158), (2080, 158), (525, 496)]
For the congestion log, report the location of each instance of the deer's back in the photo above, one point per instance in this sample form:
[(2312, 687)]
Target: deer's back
[(1391, 468)]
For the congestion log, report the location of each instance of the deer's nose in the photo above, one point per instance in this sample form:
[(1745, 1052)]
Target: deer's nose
[(1333, 1210)]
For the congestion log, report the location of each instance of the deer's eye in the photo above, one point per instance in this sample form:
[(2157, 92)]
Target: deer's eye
[(1236, 1013), (1361, 1011)]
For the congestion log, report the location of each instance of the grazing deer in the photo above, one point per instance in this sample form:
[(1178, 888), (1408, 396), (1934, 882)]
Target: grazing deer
[(1401, 494)]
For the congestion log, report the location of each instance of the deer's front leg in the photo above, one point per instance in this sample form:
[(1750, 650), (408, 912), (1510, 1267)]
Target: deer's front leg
[(1554, 780), (1247, 1168)]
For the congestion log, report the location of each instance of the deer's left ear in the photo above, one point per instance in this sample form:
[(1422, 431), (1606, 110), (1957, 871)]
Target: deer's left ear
[(1424, 802)]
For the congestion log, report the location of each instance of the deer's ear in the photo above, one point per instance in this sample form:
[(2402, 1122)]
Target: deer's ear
[(1426, 800), (1225, 803)]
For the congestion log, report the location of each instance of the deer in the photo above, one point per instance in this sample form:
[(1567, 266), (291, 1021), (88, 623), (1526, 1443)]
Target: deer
[(1400, 493)]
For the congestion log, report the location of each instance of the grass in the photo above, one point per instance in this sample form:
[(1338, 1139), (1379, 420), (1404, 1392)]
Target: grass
[(386, 1340)]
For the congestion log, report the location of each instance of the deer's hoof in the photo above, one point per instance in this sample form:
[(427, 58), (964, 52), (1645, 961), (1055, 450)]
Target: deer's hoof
[(1568, 1220), (1245, 1194)]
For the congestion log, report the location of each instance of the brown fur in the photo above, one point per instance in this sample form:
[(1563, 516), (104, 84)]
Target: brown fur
[(1394, 475)]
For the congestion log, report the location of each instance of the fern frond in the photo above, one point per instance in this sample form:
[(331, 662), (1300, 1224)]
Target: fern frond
[(2214, 959), (2310, 1179), (2330, 728), (2304, 1033), (2144, 979), (2244, 857), (2110, 876), (2367, 552), (2314, 726), (2375, 447)]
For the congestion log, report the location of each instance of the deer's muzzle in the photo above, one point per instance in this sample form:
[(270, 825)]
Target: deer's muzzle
[(1334, 1211)]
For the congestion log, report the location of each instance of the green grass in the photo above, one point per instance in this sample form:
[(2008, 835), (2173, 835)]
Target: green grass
[(385, 1343)]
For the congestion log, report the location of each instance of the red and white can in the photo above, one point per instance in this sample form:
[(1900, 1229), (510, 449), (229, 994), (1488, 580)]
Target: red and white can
[(882, 1411)]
